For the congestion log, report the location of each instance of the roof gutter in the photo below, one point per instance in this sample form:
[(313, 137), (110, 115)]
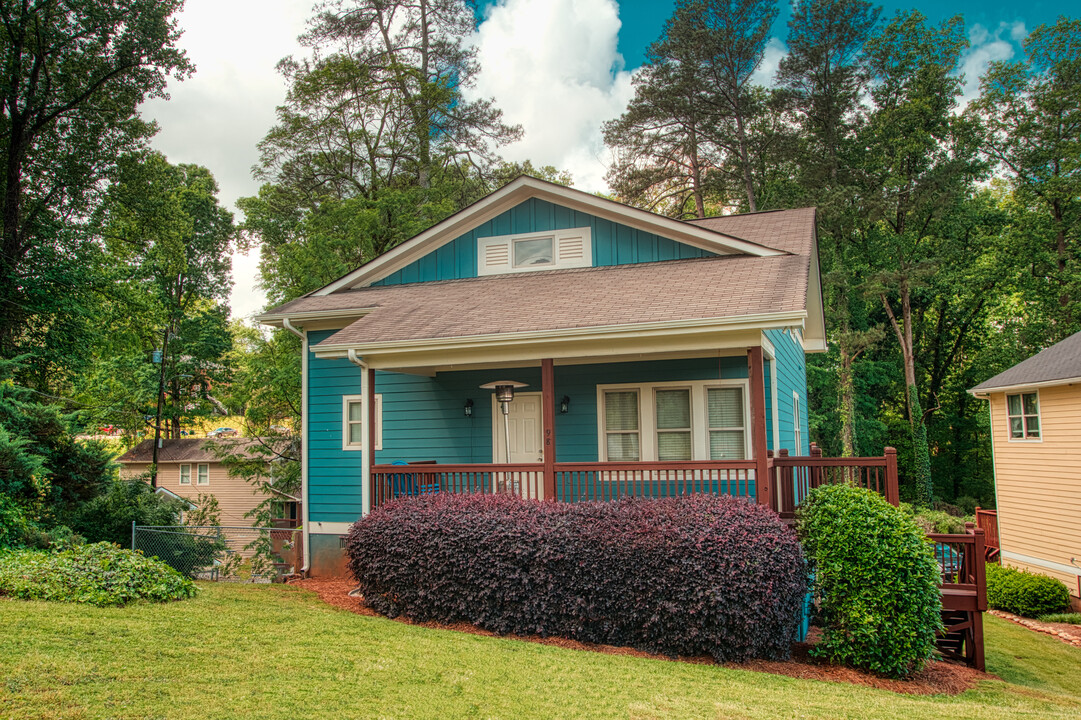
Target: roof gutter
[(985, 393), (291, 328)]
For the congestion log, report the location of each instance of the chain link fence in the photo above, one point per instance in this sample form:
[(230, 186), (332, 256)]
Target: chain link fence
[(237, 554)]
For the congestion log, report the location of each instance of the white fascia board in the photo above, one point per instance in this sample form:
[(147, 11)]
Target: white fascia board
[(521, 190), (299, 318), (986, 392), (602, 332)]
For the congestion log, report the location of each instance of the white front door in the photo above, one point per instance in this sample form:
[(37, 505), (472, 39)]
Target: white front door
[(525, 422)]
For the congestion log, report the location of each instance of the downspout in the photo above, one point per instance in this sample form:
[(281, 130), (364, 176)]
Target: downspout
[(305, 535), (365, 440)]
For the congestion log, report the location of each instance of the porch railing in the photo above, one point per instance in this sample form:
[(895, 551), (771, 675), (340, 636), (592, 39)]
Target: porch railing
[(963, 584), (793, 477), (987, 520)]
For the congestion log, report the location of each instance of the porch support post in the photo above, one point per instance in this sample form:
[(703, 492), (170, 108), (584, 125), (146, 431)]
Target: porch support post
[(755, 374), (548, 403)]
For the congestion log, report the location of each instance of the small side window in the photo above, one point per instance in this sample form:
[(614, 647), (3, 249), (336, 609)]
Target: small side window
[(1023, 411), (203, 474), (185, 474)]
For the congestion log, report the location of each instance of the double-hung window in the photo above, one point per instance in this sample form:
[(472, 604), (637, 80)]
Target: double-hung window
[(185, 474), (674, 422), (353, 422), (727, 431), (202, 474), (623, 437), (1023, 411), (673, 415)]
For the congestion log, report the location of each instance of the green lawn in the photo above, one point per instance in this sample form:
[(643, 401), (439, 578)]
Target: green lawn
[(278, 652)]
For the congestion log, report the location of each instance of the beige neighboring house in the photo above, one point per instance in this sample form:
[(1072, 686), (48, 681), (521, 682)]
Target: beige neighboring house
[(188, 468), (1036, 439)]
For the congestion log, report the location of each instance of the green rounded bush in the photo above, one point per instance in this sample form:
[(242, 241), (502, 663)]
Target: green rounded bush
[(876, 581), (1025, 593), (101, 574)]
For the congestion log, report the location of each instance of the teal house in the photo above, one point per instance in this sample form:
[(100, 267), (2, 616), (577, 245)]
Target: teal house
[(561, 346)]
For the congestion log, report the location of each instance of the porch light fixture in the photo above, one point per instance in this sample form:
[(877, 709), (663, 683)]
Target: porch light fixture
[(565, 405), (469, 408), (504, 393)]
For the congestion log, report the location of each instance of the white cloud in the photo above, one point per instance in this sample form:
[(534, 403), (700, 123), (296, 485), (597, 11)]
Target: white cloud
[(553, 67), (986, 47), (216, 117), (766, 73)]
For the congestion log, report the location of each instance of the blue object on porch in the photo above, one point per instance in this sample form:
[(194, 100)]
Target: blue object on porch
[(405, 484)]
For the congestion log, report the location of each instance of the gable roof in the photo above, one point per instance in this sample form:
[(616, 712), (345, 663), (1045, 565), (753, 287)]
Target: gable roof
[(792, 231), (1059, 364), (673, 291), (522, 189), (190, 450)]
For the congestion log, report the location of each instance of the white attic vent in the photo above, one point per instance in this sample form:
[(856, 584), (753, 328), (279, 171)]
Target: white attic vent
[(528, 252)]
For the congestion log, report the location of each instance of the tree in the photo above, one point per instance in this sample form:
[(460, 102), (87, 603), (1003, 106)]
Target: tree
[(922, 162), (1031, 110), (727, 39), (73, 75)]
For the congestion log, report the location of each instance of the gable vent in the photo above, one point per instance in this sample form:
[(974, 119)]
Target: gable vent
[(571, 248), (496, 255)]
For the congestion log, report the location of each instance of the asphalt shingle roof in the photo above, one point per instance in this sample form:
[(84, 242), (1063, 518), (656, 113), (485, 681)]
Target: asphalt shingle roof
[(194, 450), (1061, 361)]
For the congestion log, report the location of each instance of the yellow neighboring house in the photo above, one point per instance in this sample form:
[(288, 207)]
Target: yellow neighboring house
[(188, 467), (1036, 440)]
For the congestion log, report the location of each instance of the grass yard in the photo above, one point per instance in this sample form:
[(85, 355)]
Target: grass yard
[(277, 651)]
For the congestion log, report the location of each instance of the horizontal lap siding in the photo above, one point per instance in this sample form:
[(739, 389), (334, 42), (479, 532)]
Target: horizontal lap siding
[(1038, 484), (235, 497), (334, 482), (791, 377), (613, 243)]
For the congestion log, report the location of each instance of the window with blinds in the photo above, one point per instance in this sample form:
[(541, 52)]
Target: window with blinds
[(621, 426), (724, 409), (673, 413)]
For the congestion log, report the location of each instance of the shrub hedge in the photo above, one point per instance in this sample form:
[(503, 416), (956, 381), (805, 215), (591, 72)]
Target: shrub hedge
[(100, 574), (1025, 593), (876, 581), (682, 576)]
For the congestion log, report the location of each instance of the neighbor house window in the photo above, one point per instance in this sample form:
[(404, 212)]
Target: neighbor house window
[(621, 427), (673, 413), (534, 251), (724, 409), (185, 474), (203, 474), (1024, 414), (353, 422), (697, 420)]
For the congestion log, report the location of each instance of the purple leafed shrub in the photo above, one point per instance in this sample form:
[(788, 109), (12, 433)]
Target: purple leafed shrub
[(695, 575)]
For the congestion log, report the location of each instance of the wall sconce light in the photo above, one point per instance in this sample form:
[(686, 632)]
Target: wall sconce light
[(565, 404), (469, 408)]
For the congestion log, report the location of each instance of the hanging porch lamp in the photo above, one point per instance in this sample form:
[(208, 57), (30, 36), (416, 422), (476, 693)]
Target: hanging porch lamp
[(504, 393)]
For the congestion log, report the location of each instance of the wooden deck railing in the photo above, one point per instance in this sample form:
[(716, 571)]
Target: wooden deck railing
[(987, 520), (963, 584), (791, 478), (794, 477)]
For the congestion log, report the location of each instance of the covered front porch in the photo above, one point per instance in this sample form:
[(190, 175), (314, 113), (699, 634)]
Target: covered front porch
[(722, 422)]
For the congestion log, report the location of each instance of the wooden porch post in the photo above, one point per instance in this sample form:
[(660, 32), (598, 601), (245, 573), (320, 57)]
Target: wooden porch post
[(548, 405), (893, 494), (755, 374)]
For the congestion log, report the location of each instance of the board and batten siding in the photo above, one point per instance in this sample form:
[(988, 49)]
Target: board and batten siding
[(612, 243), (424, 418), (1038, 484), (791, 378), (235, 496)]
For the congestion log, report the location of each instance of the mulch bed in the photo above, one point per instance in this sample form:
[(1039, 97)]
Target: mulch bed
[(1069, 634), (938, 678)]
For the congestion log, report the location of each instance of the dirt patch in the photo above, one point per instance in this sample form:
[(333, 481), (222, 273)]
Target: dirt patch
[(938, 678), (1069, 634)]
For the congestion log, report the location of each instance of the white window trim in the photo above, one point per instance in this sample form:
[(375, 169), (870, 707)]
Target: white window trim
[(180, 471), (586, 260), (199, 474), (1039, 415), (356, 447), (797, 423), (647, 421)]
